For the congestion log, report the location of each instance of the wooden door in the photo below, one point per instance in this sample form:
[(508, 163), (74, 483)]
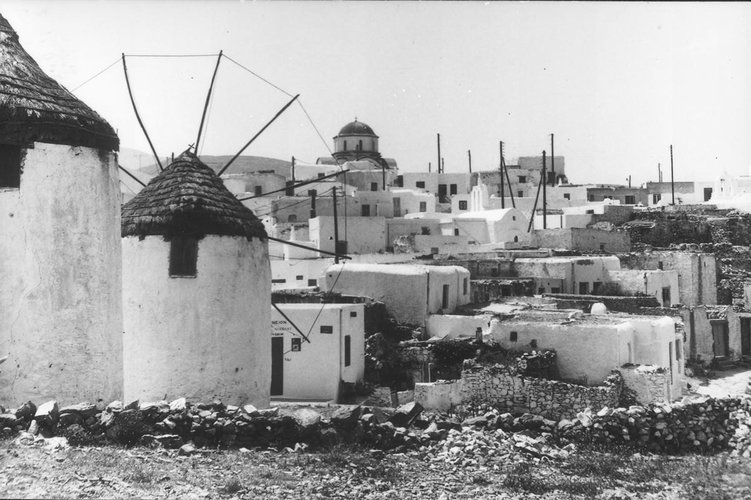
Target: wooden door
[(277, 366)]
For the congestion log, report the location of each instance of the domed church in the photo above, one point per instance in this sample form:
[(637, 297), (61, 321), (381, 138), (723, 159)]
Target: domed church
[(357, 141)]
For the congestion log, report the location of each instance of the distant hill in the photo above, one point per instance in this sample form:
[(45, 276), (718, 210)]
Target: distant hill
[(242, 165)]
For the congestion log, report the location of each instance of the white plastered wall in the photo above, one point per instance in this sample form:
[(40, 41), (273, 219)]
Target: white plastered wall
[(60, 299)]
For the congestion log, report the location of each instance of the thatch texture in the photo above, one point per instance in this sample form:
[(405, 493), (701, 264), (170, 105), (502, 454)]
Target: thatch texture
[(188, 198), (34, 107)]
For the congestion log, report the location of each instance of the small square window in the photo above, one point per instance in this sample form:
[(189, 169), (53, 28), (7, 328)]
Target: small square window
[(312, 282), (299, 277), (423, 206), (353, 314), (514, 337), (258, 190), (365, 210), (183, 257), (520, 194), (522, 179), (420, 184), (327, 329), (462, 204), (320, 175), (10, 166), (374, 186), (566, 196), (296, 344)]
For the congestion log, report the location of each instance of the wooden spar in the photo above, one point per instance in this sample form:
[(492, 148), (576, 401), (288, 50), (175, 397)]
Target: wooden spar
[(438, 139), (469, 157), (534, 208), (291, 322), (672, 180), (336, 229), (206, 104), (138, 117), (552, 160), (304, 183), (259, 133), (132, 176), (286, 242), (508, 179)]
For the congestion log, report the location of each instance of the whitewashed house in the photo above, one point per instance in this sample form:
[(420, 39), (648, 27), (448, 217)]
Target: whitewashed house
[(327, 351)]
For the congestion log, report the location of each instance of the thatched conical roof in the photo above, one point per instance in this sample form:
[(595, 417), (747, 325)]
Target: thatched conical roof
[(34, 107), (188, 198)]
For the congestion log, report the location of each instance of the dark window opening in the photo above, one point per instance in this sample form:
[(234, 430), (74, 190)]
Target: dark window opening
[(312, 282), (533, 343), (514, 336), (258, 190), (465, 286), (292, 218), (10, 166), (630, 199), (596, 287), (420, 184), (327, 329), (666, 296), (602, 247), (353, 314), (583, 288), (445, 302), (522, 179), (374, 186), (540, 291), (423, 206), (399, 182), (183, 257), (359, 145), (659, 265), (555, 289), (520, 194), (345, 145), (347, 350), (299, 277), (566, 196), (657, 197), (452, 189), (320, 175), (365, 210), (456, 231), (462, 204), (279, 280)]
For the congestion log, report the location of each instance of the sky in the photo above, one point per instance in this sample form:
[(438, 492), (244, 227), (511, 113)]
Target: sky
[(616, 83)]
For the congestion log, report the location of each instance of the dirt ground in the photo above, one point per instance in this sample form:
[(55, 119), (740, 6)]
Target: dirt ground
[(722, 383)]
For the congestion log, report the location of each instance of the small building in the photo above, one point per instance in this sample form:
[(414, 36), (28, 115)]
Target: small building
[(717, 333), (663, 285), (196, 291), (329, 353), (410, 292), (582, 239), (577, 275), (60, 292), (588, 346)]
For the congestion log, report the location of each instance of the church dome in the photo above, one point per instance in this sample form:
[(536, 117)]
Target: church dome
[(356, 128)]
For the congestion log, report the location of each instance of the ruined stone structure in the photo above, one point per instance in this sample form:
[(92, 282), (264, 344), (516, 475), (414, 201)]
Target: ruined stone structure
[(196, 291), (61, 318)]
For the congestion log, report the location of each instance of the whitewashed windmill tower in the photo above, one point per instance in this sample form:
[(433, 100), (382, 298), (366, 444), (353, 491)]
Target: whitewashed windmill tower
[(196, 291), (60, 279)]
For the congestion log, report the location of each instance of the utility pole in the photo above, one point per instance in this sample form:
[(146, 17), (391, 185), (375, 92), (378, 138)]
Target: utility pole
[(552, 160), (428, 167), (629, 181), (293, 175), (336, 229), (672, 180), (438, 139), (659, 173), (469, 156), (500, 169), (544, 182), (383, 173)]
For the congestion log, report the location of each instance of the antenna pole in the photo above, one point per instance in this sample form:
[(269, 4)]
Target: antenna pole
[(259, 133), (138, 117), (508, 180), (672, 180), (552, 160), (544, 182), (500, 169), (438, 139), (206, 104), (469, 155)]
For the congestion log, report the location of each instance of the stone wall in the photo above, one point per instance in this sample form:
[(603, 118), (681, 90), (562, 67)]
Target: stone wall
[(629, 304), (503, 387), (649, 383)]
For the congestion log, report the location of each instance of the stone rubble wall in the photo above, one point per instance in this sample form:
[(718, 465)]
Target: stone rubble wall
[(649, 383), (504, 388)]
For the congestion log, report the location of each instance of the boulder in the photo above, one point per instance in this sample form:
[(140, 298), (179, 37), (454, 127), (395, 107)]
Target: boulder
[(345, 417), (406, 414), (307, 419), (47, 414), (86, 410), (26, 411)]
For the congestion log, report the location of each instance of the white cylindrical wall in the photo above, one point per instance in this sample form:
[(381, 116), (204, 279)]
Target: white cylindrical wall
[(201, 338), (60, 299)]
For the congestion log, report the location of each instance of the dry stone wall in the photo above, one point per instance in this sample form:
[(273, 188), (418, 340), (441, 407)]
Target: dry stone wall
[(506, 389)]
